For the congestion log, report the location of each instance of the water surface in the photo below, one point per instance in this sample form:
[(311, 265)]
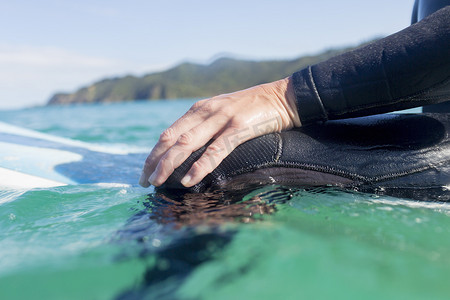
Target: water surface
[(120, 241)]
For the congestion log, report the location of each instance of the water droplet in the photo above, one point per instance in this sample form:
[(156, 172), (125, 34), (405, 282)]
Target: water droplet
[(156, 243)]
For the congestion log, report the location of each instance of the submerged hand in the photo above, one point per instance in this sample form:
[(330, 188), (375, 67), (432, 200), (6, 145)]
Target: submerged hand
[(230, 120)]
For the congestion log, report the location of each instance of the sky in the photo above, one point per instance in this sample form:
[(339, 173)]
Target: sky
[(50, 46)]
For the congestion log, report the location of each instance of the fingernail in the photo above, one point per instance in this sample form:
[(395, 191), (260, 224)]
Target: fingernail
[(142, 180), (152, 178), (186, 179)]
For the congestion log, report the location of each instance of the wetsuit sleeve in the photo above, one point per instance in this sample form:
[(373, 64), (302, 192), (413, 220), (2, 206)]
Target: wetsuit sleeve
[(398, 72)]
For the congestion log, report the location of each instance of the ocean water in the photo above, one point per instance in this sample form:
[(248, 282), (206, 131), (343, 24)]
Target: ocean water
[(121, 241)]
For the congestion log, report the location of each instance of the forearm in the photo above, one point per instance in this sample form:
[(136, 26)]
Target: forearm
[(383, 76)]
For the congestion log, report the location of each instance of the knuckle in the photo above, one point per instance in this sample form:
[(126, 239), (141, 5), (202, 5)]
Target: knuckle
[(185, 139), (207, 107), (167, 136), (201, 166), (171, 161), (228, 112), (148, 161), (197, 104), (166, 163), (211, 158), (215, 150)]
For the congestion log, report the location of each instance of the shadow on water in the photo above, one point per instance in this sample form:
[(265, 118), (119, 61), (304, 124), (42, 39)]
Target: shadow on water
[(181, 231)]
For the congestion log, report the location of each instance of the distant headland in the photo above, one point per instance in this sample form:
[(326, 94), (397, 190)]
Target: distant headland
[(189, 80)]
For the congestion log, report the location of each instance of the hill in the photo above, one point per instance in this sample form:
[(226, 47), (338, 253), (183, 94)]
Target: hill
[(189, 80)]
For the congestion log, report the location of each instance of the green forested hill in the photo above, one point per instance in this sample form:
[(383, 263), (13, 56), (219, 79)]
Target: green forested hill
[(190, 80)]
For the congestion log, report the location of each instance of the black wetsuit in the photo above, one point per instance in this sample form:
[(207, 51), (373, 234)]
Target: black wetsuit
[(407, 69)]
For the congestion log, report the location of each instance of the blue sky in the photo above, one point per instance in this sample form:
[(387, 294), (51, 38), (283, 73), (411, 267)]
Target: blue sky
[(48, 45)]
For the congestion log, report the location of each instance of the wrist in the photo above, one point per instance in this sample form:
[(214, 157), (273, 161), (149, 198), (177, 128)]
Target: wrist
[(290, 101)]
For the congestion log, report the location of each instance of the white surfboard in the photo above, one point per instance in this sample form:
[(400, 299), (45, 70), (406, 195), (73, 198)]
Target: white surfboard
[(30, 159)]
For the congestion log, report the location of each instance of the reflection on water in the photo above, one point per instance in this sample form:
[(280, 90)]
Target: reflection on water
[(178, 235), (182, 231), (210, 209)]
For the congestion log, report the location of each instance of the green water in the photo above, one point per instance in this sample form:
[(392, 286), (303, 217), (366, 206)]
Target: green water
[(112, 241)]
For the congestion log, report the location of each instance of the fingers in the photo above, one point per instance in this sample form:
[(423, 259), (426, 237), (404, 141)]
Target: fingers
[(213, 156), (166, 140), (169, 137), (187, 143)]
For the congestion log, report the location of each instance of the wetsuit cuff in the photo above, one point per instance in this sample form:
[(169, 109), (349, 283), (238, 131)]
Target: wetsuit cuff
[(309, 105)]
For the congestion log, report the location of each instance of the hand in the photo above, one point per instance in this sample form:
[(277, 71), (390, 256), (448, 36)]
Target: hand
[(230, 120)]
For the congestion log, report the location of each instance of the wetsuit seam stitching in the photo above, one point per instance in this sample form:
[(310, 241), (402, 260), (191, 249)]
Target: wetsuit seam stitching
[(316, 93), (342, 173), (364, 178), (279, 148)]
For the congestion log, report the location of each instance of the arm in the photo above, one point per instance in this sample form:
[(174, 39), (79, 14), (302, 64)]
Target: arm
[(394, 73), (389, 74)]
